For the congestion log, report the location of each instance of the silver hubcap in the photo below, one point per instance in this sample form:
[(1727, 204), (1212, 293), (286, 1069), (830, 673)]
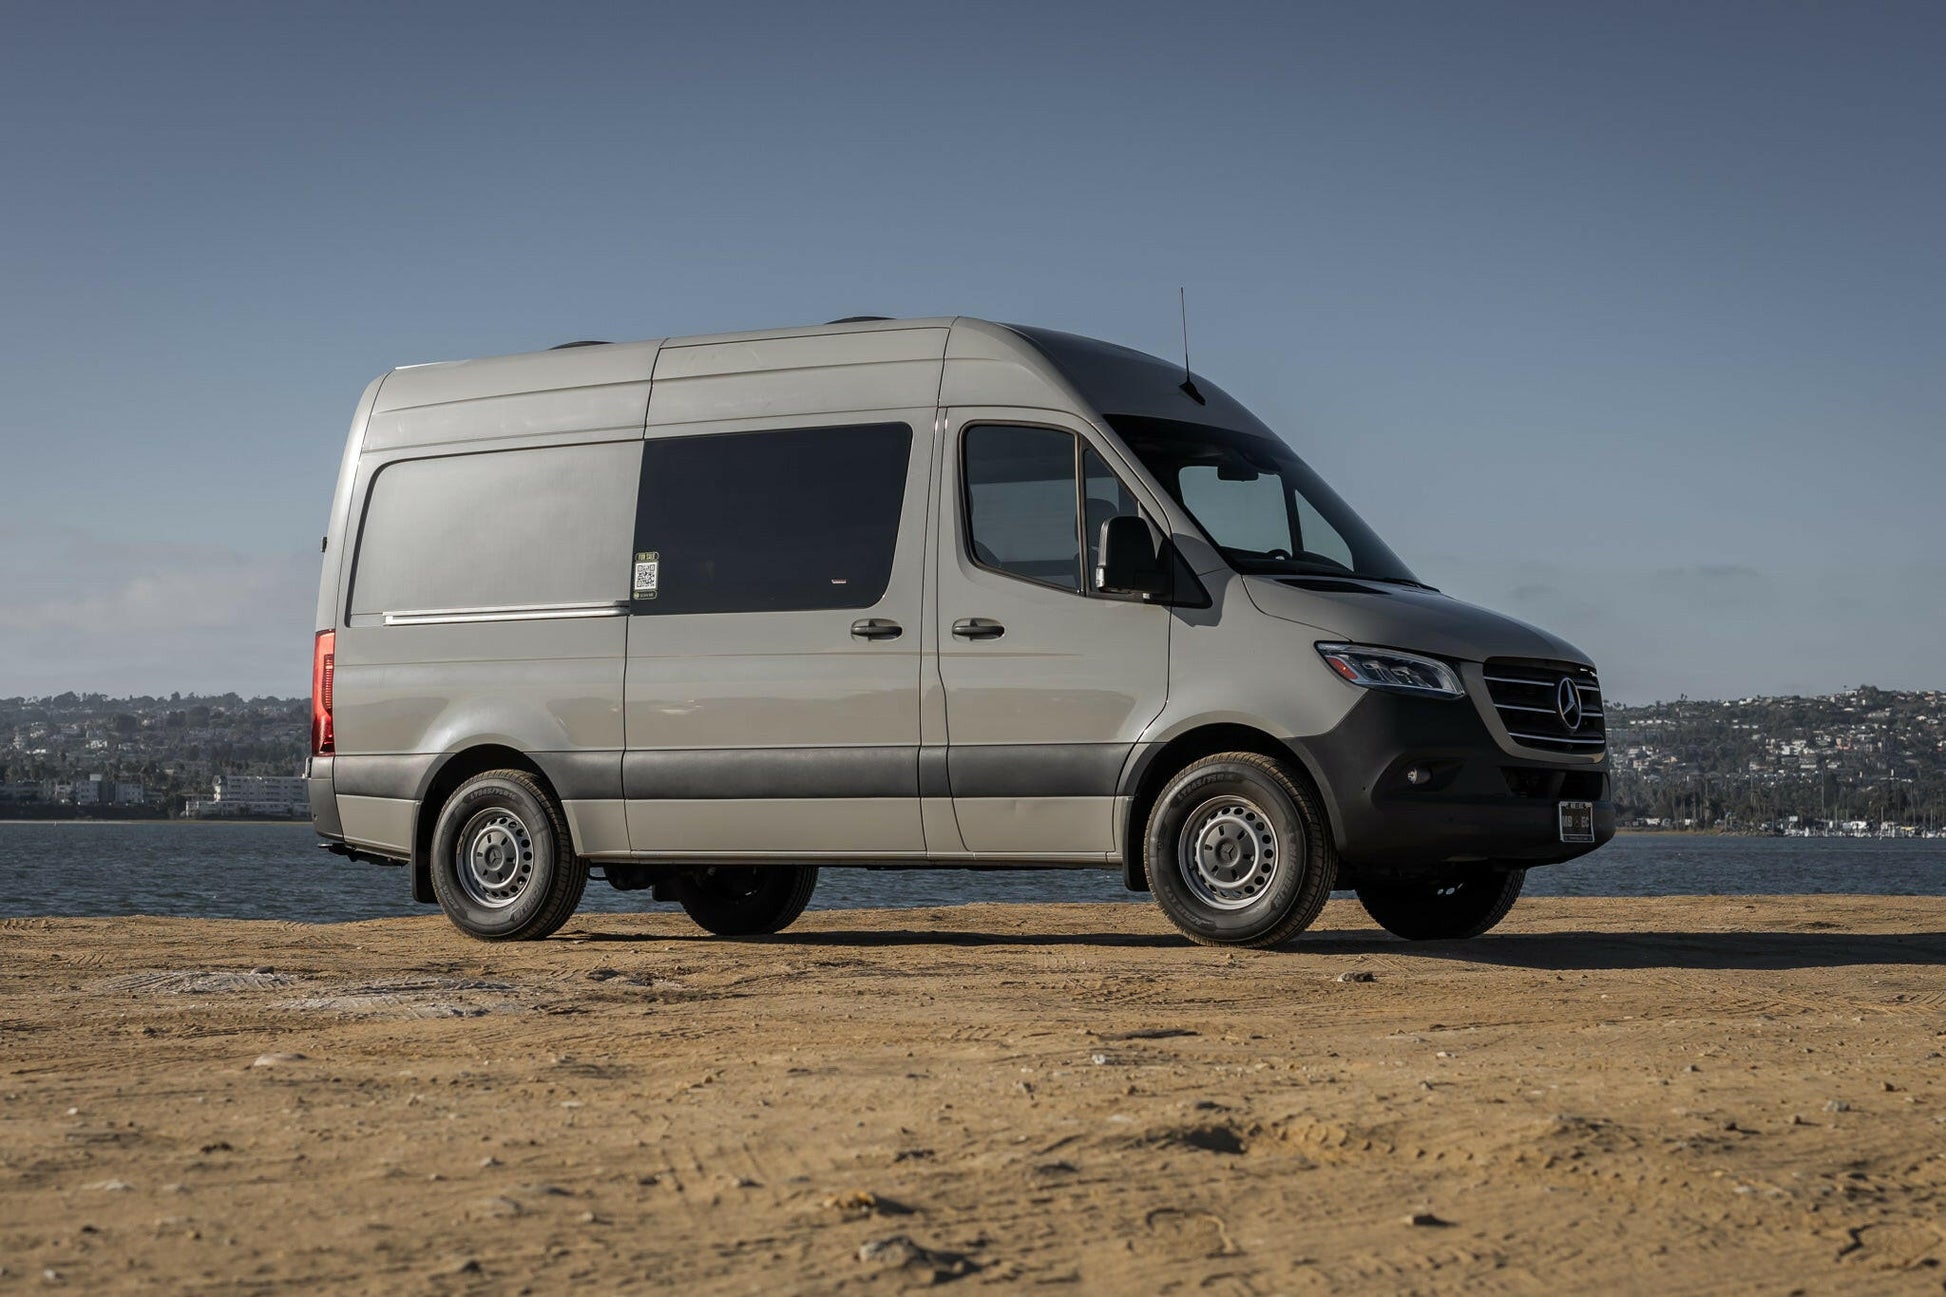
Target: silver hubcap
[(496, 859), (1228, 853)]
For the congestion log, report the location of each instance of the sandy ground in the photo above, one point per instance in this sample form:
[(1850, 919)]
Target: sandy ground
[(1667, 1096)]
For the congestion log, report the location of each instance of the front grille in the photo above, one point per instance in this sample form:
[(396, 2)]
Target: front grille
[(1526, 694)]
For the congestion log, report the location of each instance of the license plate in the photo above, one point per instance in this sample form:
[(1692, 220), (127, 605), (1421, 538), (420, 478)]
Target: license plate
[(1577, 821)]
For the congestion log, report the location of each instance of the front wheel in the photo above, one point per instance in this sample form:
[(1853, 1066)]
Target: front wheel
[(1238, 852), (1450, 910), (746, 900)]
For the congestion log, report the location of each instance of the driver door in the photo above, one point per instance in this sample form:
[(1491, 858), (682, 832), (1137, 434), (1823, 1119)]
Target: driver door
[(1048, 683)]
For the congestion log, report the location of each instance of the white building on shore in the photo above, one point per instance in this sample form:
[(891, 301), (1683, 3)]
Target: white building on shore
[(277, 796), (94, 790)]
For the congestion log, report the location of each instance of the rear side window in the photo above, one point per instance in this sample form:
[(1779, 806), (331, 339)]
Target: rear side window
[(508, 528), (769, 521)]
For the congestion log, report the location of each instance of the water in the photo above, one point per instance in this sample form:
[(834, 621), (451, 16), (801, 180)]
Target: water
[(275, 871)]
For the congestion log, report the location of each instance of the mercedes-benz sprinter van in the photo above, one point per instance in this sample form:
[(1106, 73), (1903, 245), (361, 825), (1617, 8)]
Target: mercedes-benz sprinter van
[(706, 615)]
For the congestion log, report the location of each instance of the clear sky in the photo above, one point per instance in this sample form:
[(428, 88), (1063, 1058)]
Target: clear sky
[(1628, 319)]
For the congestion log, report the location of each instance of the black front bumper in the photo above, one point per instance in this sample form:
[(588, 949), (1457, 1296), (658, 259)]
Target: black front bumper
[(1477, 806)]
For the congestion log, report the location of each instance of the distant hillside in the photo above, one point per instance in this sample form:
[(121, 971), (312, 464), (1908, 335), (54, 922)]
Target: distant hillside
[(172, 747), (1869, 755), (1872, 755)]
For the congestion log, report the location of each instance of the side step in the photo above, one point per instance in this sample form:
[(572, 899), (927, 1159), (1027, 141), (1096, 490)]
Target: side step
[(350, 852)]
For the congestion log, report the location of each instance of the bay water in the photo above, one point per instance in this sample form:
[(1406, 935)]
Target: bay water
[(276, 871)]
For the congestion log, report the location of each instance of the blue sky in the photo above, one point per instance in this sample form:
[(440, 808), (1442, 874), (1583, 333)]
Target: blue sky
[(1625, 319)]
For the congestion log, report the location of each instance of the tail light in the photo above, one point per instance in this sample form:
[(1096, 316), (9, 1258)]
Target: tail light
[(324, 655)]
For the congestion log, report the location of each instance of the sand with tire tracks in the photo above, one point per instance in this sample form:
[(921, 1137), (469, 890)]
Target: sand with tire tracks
[(1672, 1095)]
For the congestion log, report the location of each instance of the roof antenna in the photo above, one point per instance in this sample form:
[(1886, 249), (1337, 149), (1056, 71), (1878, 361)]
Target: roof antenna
[(1188, 385)]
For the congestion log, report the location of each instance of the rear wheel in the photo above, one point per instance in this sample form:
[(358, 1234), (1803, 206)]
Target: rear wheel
[(503, 866), (1238, 852), (746, 900), (1448, 910)]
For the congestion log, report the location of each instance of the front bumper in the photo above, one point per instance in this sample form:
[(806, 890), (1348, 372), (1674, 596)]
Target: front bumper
[(1481, 805)]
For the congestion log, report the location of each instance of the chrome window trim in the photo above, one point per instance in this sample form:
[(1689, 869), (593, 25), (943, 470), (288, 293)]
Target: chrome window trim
[(519, 612)]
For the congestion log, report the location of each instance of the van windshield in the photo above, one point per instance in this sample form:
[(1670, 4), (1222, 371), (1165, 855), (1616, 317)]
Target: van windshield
[(1258, 502)]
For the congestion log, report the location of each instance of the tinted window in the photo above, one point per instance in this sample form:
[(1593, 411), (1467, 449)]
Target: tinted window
[(1020, 503), (770, 521), (1316, 534), (1252, 515), (1262, 517), (1262, 505), (508, 528)]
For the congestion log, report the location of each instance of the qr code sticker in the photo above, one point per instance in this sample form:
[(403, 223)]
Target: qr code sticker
[(647, 575)]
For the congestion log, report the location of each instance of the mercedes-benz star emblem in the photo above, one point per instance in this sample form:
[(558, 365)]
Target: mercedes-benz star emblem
[(1567, 701)]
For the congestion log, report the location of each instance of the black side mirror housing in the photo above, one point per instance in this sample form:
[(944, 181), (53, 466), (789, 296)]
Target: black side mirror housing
[(1128, 562)]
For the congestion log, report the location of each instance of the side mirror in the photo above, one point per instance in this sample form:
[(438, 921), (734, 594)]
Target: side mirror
[(1128, 562)]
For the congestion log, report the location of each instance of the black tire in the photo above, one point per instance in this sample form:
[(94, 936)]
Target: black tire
[(1281, 858), (1451, 909), (746, 900), (503, 865)]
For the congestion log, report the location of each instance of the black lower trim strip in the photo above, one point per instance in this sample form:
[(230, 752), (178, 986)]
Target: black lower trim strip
[(576, 776), (1037, 769), (389, 775), (749, 774), (582, 776), (933, 778)]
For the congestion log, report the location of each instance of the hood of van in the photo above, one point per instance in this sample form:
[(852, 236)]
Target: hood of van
[(1394, 616)]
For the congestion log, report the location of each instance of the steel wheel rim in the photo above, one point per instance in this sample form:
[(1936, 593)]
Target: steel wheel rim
[(1229, 853), (495, 859)]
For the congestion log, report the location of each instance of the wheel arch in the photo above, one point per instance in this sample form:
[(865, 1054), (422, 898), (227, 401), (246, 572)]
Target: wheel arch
[(1154, 764), (441, 779)]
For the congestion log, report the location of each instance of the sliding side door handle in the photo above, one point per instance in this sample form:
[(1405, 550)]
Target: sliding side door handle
[(978, 628), (876, 628)]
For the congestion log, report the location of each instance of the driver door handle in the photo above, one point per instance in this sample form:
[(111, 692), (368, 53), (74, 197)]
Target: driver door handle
[(978, 628), (876, 628)]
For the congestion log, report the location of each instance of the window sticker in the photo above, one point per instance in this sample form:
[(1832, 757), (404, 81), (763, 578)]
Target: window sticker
[(648, 566)]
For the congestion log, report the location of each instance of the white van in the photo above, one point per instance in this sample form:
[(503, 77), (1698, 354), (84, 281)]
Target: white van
[(707, 614)]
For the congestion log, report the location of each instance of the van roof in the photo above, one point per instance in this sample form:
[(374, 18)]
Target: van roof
[(954, 359), (438, 382)]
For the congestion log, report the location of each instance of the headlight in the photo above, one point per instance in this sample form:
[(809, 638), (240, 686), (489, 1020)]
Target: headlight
[(1393, 671)]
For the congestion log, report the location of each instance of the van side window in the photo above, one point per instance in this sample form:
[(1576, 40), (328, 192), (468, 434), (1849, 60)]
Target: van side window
[(1020, 503), (771, 521), (501, 529)]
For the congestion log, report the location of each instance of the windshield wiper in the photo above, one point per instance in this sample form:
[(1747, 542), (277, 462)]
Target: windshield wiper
[(1259, 564), (1396, 580)]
